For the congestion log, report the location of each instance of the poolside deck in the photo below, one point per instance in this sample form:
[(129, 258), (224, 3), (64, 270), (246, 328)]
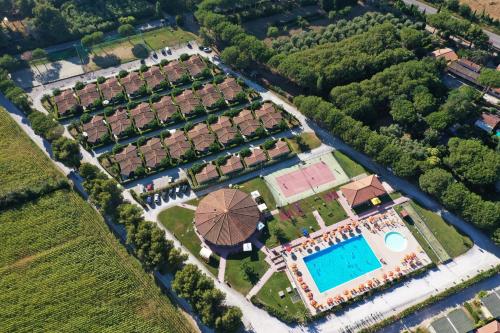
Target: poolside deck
[(373, 229)]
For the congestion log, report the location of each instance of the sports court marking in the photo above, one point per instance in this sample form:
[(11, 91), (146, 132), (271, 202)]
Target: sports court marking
[(303, 179)]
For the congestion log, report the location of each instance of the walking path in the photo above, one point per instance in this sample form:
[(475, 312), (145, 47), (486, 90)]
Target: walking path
[(187, 206), (319, 219), (221, 273), (267, 275), (343, 202)]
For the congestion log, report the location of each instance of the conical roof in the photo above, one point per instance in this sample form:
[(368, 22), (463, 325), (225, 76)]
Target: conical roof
[(227, 217)]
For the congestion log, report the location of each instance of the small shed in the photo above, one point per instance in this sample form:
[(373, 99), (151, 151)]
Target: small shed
[(205, 253)]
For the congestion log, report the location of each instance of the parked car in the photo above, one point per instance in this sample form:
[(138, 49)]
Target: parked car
[(163, 52), (168, 50), (207, 49), (150, 187), (143, 62), (172, 192), (149, 200), (178, 191), (157, 198), (184, 188), (155, 55), (164, 195), (189, 45)]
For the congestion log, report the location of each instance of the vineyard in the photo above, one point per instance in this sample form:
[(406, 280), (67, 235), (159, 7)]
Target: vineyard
[(71, 275), (22, 164)]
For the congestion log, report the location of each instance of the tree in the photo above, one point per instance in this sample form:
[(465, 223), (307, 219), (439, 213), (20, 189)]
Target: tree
[(176, 259), (230, 321), (8, 62), (66, 151), (48, 21), (470, 160), (158, 9), (406, 166), (126, 20), (435, 181), (189, 281), (104, 193), (126, 30), (248, 271), (403, 112), (179, 20), (233, 56), (92, 39), (129, 214), (90, 172), (272, 31), (489, 78)]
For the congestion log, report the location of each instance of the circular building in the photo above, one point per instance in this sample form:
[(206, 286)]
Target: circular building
[(226, 217)]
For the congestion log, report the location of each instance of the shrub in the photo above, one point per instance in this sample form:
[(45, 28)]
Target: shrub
[(126, 30), (219, 78), (197, 85), (143, 68), (211, 119), (66, 151), (164, 62), (269, 144), (79, 85), (101, 79), (85, 118), (56, 92), (272, 31), (184, 57), (245, 152), (122, 73), (196, 168)]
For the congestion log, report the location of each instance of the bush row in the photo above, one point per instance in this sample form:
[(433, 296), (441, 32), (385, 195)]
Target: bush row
[(21, 196)]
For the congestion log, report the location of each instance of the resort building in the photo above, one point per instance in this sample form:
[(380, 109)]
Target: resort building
[(224, 130), (88, 95), (195, 66), (95, 129), (465, 69), (246, 123), (257, 157), (232, 164), (488, 122), (364, 190), (165, 109), (128, 160), (230, 89), (132, 83), (493, 327), (65, 101), (174, 71), (227, 217), (208, 173), (119, 122), (448, 54), (142, 115), (110, 89), (153, 77), (177, 145), (187, 102), (153, 153), (209, 95), (281, 148)]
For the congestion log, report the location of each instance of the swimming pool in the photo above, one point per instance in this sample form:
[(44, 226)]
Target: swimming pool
[(341, 263), (395, 241)]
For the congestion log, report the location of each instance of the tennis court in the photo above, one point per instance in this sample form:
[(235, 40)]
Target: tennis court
[(305, 179)]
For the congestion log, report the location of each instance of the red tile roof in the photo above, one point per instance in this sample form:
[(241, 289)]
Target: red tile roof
[(227, 217), (224, 130), (233, 164), (258, 156), (493, 327), (249, 127), (174, 71), (208, 173), (128, 160), (110, 88), (177, 144), (132, 82), (209, 95), (142, 115), (470, 65), (65, 101), (153, 152), (88, 94), (195, 65), (153, 77), (363, 190), (95, 129), (165, 108), (230, 88), (187, 102), (269, 116), (201, 137), (281, 148), (244, 115), (456, 68), (119, 122), (445, 53)]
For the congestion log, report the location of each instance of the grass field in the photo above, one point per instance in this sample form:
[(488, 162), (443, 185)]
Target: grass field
[(310, 140), (109, 53), (453, 242), (22, 163), (70, 274), (268, 295), (351, 168), (234, 274), (179, 221), (259, 185)]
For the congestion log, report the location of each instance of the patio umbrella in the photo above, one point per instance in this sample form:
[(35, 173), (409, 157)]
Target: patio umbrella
[(370, 283), (299, 279), (391, 273), (385, 276), (313, 302), (346, 292), (329, 300), (398, 269), (294, 265)]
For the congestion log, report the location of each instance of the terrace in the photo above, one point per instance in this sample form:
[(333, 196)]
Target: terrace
[(153, 153), (142, 115), (174, 71), (119, 122), (201, 137), (247, 124), (110, 88), (187, 102), (88, 95), (95, 130), (153, 77), (177, 144), (230, 89), (128, 160), (195, 65), (224, 130), (209, 95), (165, 109), (65, 101), (132, 83), (207, 173), (231, 165), (256, 157)]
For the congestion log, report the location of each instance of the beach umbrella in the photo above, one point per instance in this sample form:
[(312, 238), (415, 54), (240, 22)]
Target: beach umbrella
[(329, 300), (294, 265), (391, 273), (385, 276), (346, 292), (299, 279), (313, 302), (370, 283), (398, 269)]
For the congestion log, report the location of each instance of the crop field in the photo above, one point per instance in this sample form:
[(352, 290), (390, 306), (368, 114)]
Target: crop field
[(491, 7), (22, 164), (61, 270)]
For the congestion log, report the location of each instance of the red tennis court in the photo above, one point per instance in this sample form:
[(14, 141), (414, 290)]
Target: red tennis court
[(304, 179)]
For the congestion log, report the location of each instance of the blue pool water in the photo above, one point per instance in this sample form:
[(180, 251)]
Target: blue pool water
[(395, 241), (341, 263)]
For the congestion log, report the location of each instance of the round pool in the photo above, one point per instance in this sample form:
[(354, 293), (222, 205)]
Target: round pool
[(395, 241)]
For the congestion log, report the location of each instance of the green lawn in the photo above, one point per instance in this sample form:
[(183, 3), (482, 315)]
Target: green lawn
[(268, 295), (351, 168), (259, 185), (450, 238), (395, 195), (179, 221), (310, 140), (235, 276)]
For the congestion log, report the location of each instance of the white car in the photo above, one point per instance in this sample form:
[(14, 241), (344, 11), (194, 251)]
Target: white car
[(167, 49), (157, 198)]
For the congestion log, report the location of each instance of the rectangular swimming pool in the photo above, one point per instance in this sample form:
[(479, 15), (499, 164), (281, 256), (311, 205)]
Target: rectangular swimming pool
[(341, 263)]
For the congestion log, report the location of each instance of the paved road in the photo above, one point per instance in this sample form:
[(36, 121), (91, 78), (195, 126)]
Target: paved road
[(483, 255), (494, 38)]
